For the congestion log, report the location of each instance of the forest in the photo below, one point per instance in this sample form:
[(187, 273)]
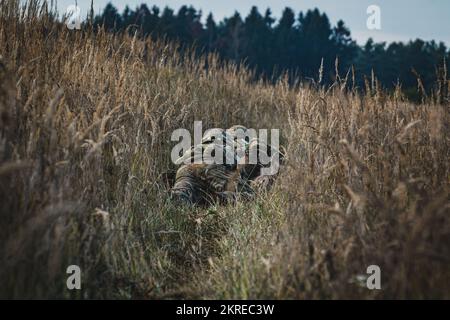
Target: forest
[(297, 45)]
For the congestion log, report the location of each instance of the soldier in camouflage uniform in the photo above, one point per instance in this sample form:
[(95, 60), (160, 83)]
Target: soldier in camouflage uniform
[(206, 183)]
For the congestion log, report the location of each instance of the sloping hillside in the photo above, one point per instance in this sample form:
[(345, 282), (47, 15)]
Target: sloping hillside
[(86, 120)]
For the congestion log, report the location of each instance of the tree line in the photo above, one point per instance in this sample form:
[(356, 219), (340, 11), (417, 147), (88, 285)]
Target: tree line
[(298, 45)]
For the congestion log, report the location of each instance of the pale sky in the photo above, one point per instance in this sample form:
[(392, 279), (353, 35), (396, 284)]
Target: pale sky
[(401, 20)]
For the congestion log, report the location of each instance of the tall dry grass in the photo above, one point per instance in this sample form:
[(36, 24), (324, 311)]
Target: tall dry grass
[(86, 120)]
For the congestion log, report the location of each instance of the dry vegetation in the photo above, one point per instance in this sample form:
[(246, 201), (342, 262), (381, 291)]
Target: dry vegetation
[(85, 148)]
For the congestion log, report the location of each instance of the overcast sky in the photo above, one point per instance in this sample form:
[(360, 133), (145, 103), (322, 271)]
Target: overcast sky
[(401, 20)]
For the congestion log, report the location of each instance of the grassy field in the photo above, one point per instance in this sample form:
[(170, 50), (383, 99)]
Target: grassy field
[(85, 127)]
